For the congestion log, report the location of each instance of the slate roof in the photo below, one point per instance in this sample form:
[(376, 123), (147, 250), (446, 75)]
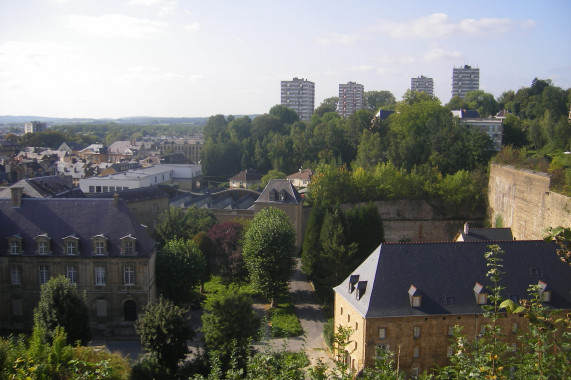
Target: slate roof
[(483, 234), (43, 187), (248, 176), (135, 195), (440, 270), (280, 185), (60, 218), (303, 174)]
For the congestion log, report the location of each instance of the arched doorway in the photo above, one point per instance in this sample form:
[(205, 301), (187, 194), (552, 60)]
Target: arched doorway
[(130, 310)]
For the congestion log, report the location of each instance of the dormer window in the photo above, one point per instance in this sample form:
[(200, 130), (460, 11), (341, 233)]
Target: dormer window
[(42, 244), (415, 296), (353, 282), (99, 245), (544, 291), (361, 287), (273, 195), (128, 245), (15, 244), (71, 245), (480, 294), (282, 196)]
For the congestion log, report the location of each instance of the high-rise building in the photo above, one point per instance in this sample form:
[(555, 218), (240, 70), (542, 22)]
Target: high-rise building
[(464, 80), (299, 95), (350, 98), (34, 127), (423, 84)]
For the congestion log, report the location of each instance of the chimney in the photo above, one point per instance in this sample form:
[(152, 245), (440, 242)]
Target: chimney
[(17, 193), (466, 228), (115, 200)]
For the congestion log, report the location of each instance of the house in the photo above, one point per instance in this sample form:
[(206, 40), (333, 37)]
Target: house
[(280, 193), (44, 187), (302, 178), (483, 234), (491, 126), (246, 178), (96, 243), (407, 297)]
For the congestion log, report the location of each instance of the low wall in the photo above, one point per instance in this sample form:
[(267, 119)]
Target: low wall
[(521, 200)]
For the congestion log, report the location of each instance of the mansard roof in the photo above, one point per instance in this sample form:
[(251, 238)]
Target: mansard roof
[(59, 218), (280, 186), (446, 273)]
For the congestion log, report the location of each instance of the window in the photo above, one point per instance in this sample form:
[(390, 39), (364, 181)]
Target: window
[(482, 299), (416, 331), (17, 307), (71, 273), (415, 371), (128, 245), (416, 352), (99, 245), (100, 276), (341, 310), (92, 189), (43, 247), (71, 247), (101, 308), (382, 333), (129, 275), (15, 243), (449, 300), (415, 301), (16, 275), (44, 274), (450, 330), (356, 326)]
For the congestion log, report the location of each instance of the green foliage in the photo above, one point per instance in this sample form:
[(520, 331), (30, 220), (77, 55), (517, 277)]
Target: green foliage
[(179, 223), (286, 115), (379, 99), (61, 304), (561, 236), (269, 251), (272, 174), (228, 323), (284, 320), (164, 331), (384, 368), (365, 227), (482, 102), (180, 267), (311, 247)]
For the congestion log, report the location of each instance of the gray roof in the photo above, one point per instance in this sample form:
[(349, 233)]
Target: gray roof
[(248, 176), (482, 234), (60, 218), (280, 186), (135, 195), (43, 187), (440, 270)]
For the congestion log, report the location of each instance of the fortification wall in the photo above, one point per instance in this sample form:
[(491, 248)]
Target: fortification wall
[(521, 199)]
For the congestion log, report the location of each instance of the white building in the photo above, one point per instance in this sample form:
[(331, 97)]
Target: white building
[(186, 176)]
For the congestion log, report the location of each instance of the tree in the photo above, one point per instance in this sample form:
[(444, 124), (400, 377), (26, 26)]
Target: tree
[(285, 114), (365, 226), (269, 252), (180, 267), (272, 174), (226, 239), (482, 102), (179, 223), (61, 304), (327, 105), (378, 99), (164, 331), (229, 322)]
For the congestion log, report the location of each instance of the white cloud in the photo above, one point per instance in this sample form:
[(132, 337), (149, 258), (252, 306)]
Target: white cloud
[(115, 26), (144, 2), (340, 39), (192, 26), (396, 60), (167, 7), (362, 68), (440, 54), (438, 25)]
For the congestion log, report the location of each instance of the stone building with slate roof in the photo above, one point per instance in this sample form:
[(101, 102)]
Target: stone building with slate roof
[(482, 234), (407, 297), (96, 243), (280, 193)]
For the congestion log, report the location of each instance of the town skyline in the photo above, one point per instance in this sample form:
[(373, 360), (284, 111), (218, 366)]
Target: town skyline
[(76, 58)]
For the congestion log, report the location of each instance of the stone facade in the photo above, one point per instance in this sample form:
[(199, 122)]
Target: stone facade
[(521, 199)]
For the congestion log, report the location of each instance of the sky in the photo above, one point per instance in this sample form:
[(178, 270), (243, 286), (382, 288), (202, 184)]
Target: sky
[(187, 58)]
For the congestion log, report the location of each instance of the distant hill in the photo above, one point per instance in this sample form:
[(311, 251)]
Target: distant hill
[(143, 120)]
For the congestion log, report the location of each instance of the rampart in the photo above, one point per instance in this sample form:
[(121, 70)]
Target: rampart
[(521, 199)]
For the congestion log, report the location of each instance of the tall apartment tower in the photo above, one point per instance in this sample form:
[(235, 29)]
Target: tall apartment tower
[(423, 84), (464, 80), (350, 98), (34, 127), (299, 95)]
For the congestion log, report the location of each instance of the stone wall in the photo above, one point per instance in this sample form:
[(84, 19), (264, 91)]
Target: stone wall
[(521, 200)]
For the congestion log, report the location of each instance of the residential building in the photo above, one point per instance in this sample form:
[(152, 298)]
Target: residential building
[(34, 127), (191, 148), (44, 187), (301, 178), (422, 84), (184, 176), (280, 193), (464, 80), (95, 153), (299, 95), (96, 243), (246, 178), (407, 297), (491, 126), (469, 233), (350, 98)]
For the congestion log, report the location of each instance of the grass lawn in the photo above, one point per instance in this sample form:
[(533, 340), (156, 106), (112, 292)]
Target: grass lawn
[(284, 321)]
